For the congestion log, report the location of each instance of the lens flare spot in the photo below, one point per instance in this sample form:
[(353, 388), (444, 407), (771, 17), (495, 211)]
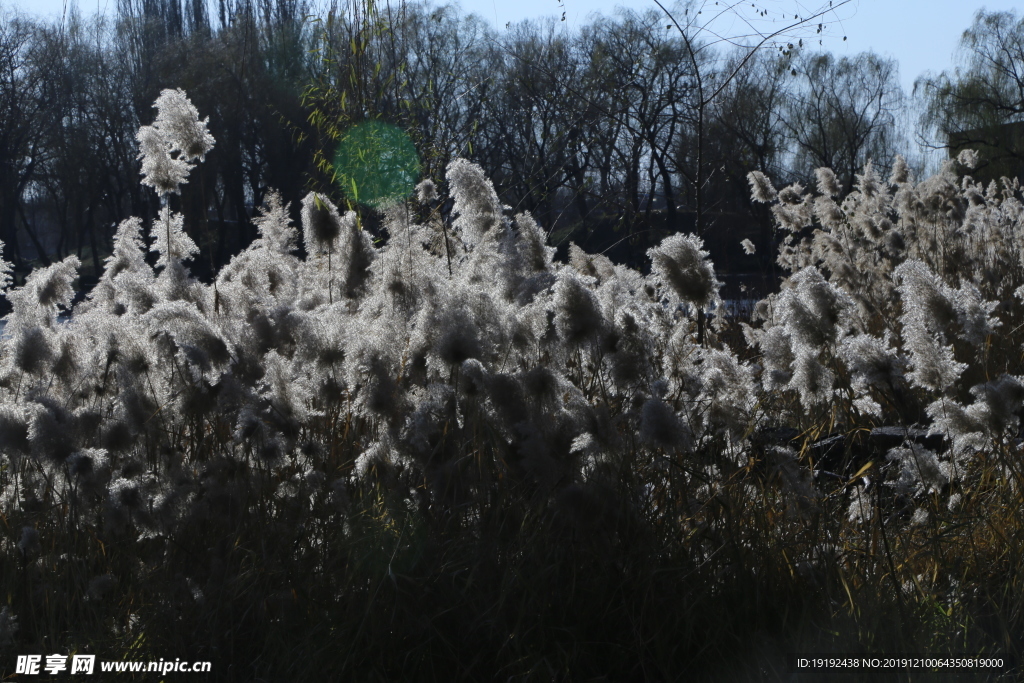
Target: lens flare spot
[(376, 164)]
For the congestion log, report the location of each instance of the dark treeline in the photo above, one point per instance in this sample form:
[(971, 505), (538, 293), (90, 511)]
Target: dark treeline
[(595, 131)]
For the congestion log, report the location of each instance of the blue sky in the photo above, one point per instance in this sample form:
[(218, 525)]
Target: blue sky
[(921, 34)]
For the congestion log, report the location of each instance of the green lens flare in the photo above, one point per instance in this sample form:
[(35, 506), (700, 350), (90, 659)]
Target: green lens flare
[(376, 164)]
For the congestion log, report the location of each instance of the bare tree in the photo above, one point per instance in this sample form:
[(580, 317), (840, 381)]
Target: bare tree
[(28, 88), (747, 131), (445, 82), (702, 34), (531, 122), (653, 82), (843, 112)]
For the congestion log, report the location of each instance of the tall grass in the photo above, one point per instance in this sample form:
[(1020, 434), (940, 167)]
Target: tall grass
[(446, 456)]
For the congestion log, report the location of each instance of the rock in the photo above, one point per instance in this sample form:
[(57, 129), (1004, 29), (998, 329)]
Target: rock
[(885, 438)]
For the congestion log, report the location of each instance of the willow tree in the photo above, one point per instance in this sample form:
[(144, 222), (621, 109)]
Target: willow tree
[(980, 104)]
